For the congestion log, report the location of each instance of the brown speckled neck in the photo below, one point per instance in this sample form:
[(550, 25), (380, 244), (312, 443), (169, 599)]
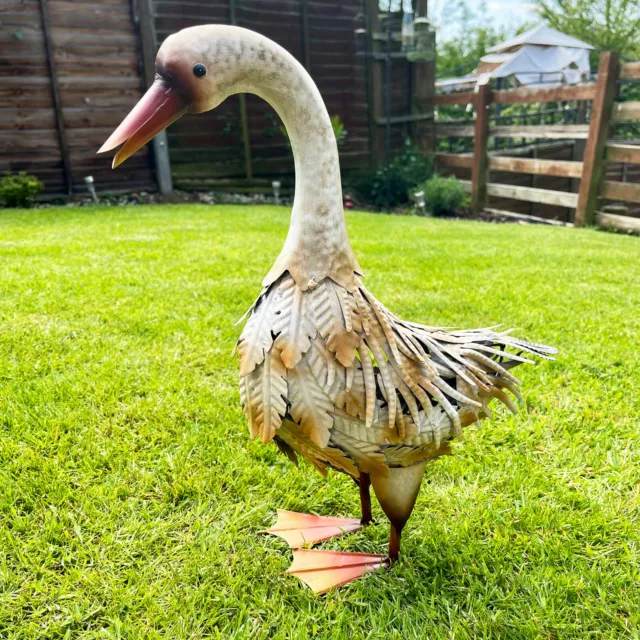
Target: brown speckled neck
[(317, 245)]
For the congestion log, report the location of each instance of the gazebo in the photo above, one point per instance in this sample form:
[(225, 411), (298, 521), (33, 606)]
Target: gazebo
[(541, 57)]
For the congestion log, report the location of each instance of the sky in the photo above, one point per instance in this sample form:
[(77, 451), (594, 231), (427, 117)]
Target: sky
[(500, 14)]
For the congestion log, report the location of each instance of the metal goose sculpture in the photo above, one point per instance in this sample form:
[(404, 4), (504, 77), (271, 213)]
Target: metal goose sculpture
[(326, 371)]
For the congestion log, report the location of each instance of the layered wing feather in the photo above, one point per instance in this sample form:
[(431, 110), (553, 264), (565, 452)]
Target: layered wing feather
[(347, 375)]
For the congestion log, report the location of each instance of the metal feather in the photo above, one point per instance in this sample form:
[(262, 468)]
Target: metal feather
[(294, 322), (364, 389)]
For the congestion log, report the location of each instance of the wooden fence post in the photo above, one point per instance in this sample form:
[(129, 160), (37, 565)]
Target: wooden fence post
[(304, 34), (374, 82), (57, 103), (242, 101), (593, 162), (423, 72), (481, 138), (160, 144)]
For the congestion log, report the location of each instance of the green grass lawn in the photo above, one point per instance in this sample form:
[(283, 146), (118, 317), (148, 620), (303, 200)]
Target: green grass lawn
[(131, 496)]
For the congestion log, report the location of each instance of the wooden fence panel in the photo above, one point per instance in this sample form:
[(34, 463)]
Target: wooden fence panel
[(530, 194), (519, 179), (94, 53), (626, 112), (608, 71), (624, 191), (465, 97), (542, 132), (555, 94), (618, 152), (459, 160), (566, 169), (29, 141), (86, 68), (321, 35), (630, 71)]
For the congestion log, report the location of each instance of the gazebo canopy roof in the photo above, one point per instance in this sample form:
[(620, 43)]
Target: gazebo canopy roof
[(545, 36), (541, 56)]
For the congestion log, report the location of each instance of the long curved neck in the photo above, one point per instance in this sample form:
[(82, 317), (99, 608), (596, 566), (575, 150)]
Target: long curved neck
[(317, 245)]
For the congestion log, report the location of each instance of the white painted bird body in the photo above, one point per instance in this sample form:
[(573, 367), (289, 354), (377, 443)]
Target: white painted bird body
[(326, 371)]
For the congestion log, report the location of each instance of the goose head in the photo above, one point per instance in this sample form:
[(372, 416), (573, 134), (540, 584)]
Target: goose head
[(196, 69)]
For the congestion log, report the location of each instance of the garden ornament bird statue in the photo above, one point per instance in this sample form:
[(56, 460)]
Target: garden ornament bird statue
[(327, 372)]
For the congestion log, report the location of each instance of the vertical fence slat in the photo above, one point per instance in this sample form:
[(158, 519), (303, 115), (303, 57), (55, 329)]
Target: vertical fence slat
[(304, 34), (480, 162), (423, 72), (57, 103), (374, 82), (242, 101), (160, 145), (593, 163)]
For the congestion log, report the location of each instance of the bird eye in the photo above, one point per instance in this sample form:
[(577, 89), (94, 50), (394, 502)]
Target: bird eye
[(199, 70)]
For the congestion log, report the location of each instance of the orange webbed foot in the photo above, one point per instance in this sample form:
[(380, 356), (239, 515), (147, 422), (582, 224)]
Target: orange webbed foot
[(299, 529), (326, 570)]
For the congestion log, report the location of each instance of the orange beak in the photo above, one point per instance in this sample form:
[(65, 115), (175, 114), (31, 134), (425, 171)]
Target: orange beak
[(157, 109)]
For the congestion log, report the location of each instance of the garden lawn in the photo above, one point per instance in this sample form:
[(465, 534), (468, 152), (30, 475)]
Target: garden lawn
[(131, 496)]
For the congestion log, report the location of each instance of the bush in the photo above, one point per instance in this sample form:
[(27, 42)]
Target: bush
[(407, 169), (19, 190), (338, 131), (412, 165), (444, 196)]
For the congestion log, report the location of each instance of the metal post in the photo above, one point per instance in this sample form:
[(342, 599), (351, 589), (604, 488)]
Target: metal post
[(57, 103), (146, 27)]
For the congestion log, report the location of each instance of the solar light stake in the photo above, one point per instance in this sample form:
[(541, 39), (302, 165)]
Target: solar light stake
[(276, 190), (88, 180)]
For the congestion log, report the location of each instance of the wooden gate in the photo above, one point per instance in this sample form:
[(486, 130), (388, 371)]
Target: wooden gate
[(590, 173)]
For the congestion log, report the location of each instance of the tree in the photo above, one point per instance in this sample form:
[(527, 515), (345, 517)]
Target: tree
[(608, 25), (463, 35), (458, 57)]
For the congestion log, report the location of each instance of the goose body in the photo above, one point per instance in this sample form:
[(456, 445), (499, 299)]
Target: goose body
[(326, 371), (333, 376)]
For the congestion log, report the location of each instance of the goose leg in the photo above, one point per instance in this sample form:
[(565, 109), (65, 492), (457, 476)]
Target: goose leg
[(397, 494), (394, 543), (365, 498)]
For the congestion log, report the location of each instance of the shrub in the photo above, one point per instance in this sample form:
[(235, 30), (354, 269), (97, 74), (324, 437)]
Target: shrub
[(336, 124), (407, 169), (444, 196), (412, 165), (338, 130), (19, 190), (373, 189)]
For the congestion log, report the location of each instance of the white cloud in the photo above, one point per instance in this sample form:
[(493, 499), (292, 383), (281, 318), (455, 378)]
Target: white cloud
[(512, 7)]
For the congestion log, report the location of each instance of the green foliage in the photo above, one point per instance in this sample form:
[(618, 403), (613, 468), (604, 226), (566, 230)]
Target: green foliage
[(444, 196), (338, 131), (461, 56), (606, 24), (19, 190), (131, 494), (271, 130), (408, 168)]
